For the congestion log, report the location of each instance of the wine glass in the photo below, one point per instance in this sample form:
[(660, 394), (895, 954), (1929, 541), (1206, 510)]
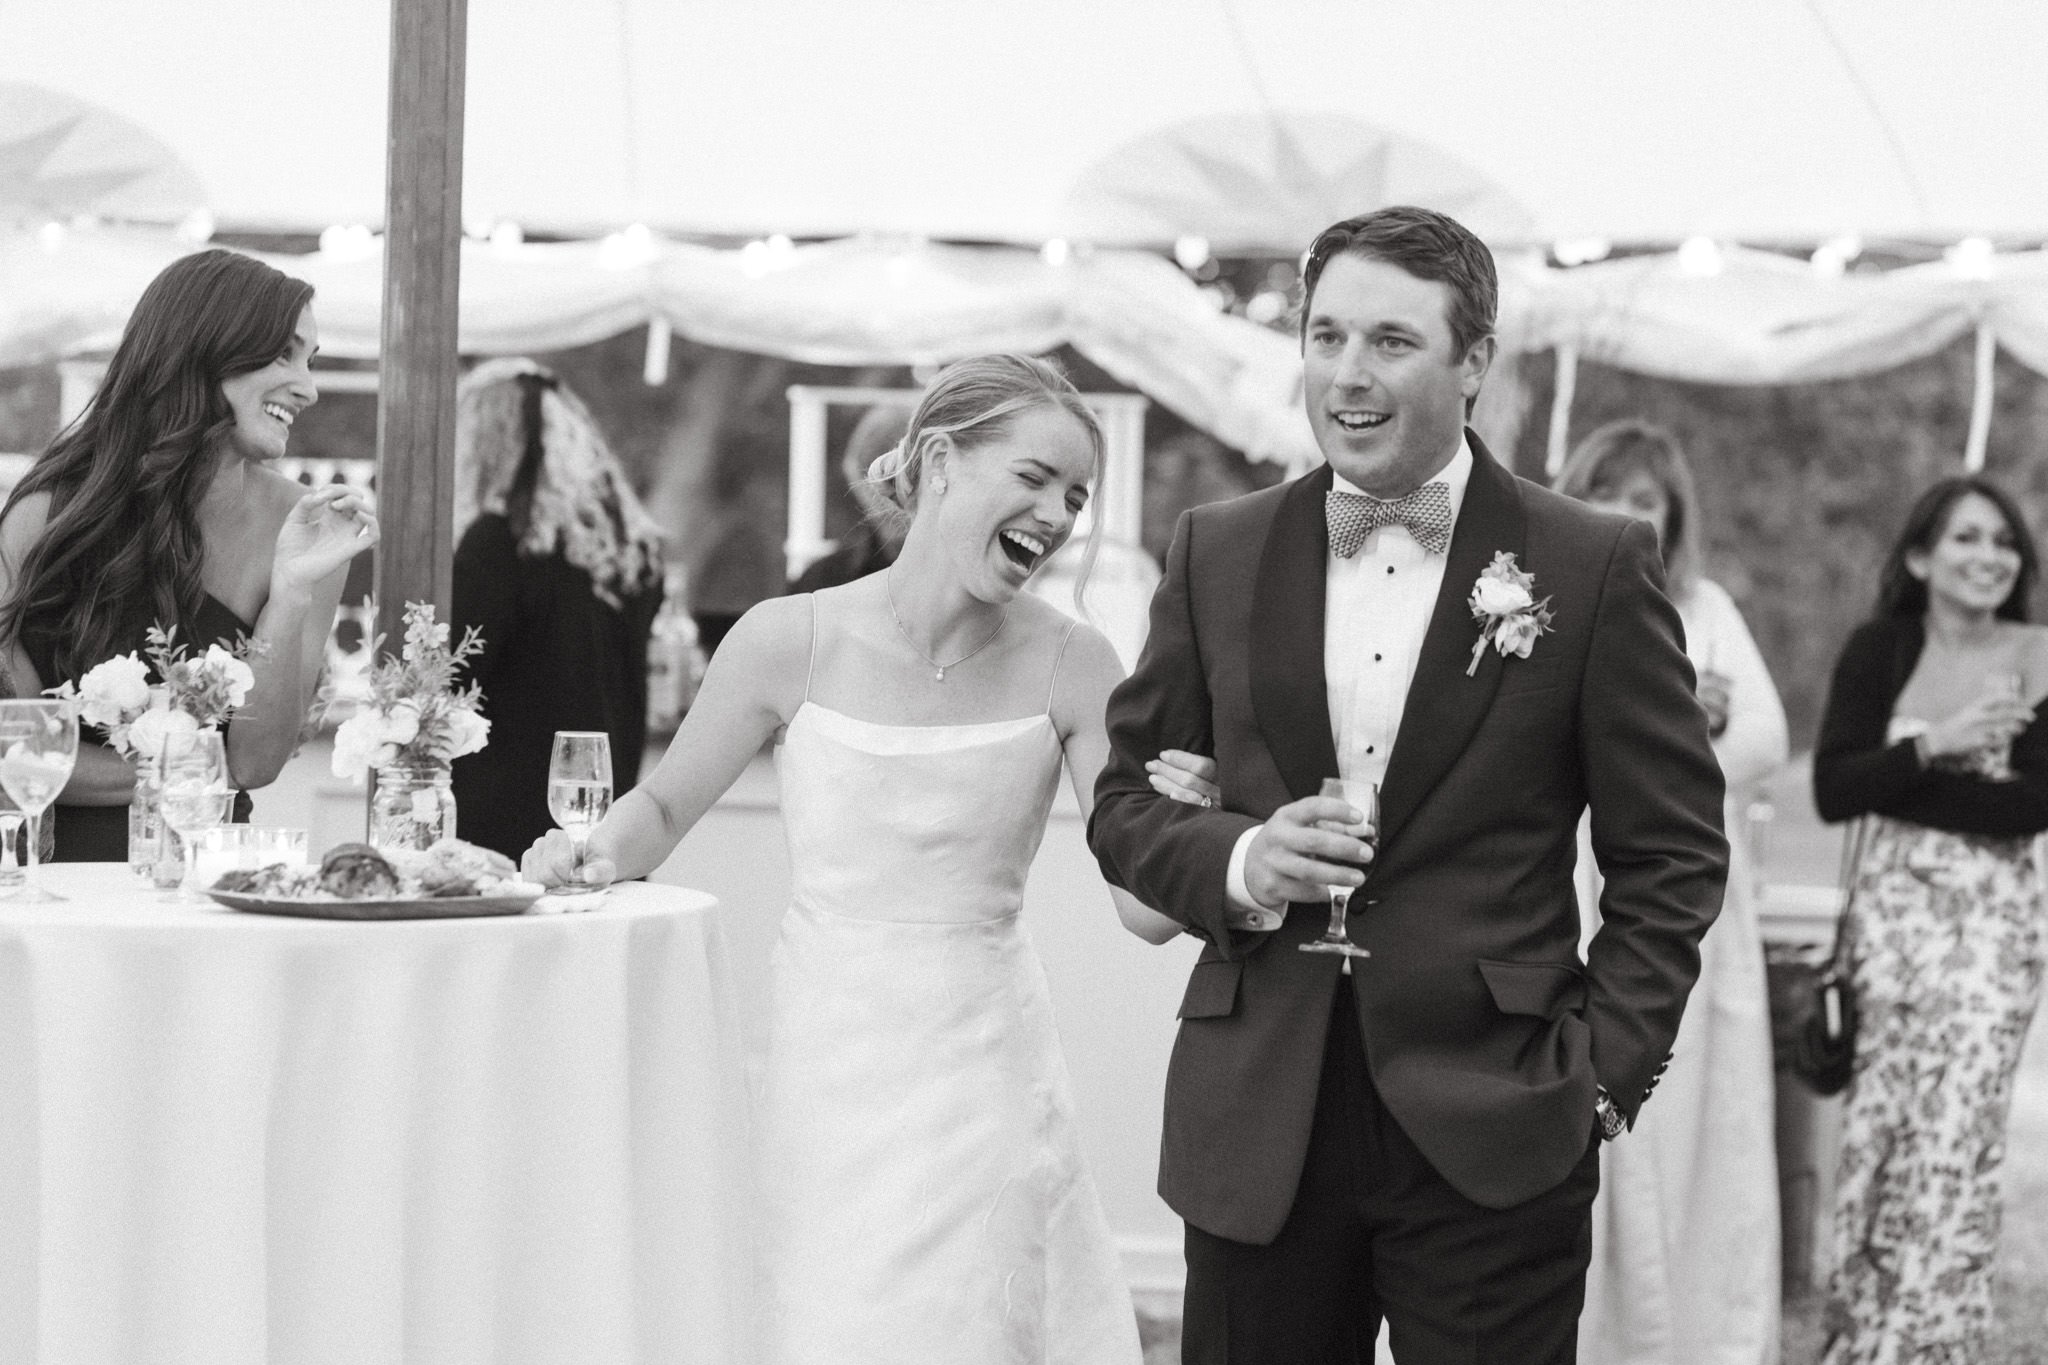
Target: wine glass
[(11, 818), (1365, 798), (579, 789), (196, 796), (38, 748), (1995, 763)]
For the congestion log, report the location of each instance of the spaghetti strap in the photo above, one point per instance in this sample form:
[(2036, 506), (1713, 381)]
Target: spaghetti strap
[(1053, 686), (811, 667)]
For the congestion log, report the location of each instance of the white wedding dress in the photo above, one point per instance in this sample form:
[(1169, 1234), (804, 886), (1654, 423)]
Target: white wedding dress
[(923, 1189)]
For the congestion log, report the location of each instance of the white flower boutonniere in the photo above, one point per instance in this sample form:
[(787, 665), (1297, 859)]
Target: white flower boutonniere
[(1504, 603)]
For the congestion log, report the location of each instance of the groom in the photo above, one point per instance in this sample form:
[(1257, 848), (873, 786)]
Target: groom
[(1416, 1141)]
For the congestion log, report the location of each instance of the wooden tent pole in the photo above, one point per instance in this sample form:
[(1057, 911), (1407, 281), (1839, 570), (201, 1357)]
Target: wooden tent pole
[(422, 267)]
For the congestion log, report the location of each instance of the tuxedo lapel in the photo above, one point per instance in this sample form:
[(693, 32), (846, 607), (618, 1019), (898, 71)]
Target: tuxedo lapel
[(1444, 706), (1290, 696)]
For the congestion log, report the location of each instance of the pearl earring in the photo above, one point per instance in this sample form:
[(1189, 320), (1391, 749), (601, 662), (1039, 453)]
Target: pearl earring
[(938, 486)]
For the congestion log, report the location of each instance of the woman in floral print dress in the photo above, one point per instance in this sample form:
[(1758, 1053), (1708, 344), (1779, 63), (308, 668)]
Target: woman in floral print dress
[(1930, 738)]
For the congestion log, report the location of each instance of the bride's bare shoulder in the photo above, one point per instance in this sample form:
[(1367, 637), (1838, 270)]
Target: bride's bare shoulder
[(773, 630)]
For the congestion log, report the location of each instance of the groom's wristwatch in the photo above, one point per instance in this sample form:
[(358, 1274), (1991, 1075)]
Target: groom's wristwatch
[(1611, 1121)]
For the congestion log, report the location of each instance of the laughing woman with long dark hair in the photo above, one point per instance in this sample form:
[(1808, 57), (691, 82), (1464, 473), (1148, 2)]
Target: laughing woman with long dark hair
[(160, 505)]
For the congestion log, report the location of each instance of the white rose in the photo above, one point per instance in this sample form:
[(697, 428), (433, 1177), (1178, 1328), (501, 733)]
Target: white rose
[(232, 672), (1497, 597), (1516, 636), (114, 691), (356, 741), (402, 724), (467, 731), (156, 732)]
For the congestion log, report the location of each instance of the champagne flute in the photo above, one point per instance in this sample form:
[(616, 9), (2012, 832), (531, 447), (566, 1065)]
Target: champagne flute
[(1365, 797), (196, 796), (38, 748), (1995, 763), (579, 789)]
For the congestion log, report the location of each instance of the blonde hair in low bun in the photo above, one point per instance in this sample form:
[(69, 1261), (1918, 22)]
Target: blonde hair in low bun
[(969, 403)]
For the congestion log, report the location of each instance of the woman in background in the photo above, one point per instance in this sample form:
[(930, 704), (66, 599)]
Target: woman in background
[(1685, 1227), (559, 567), (161, 505), (1930, 739)]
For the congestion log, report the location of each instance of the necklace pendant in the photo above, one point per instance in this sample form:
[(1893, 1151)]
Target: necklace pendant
[(940, 675)]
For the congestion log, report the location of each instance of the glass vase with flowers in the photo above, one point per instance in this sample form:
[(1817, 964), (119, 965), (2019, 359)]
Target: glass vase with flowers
[(415, 722)]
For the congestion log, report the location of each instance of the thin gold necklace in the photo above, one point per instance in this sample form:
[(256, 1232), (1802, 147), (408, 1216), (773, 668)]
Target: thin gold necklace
[(938, 669)]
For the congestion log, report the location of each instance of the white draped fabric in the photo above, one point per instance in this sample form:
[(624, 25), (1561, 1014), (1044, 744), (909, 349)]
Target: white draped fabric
[(1760, 318), (231, 1139)]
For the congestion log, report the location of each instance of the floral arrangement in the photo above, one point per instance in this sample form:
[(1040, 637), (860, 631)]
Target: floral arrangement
[(415, 714), (201, 692), (1504, 603)]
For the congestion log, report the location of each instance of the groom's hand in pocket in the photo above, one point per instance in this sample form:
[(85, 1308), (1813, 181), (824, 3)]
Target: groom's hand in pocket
[(1294, 857)]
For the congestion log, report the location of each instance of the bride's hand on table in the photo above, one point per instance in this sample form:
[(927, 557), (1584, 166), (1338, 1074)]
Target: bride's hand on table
[(1181, 776), (552, 862)]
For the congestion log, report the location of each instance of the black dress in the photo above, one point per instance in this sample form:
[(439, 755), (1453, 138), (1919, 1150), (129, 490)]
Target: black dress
[(99, 834), (556, 657)]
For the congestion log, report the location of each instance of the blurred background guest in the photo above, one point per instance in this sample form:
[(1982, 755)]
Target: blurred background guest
[(1685, 1228), (160, 505), (560, 568), (1930, 739), (734, 563), (876, 537)]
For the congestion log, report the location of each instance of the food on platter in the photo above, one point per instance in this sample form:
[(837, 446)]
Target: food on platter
[(356, 872)]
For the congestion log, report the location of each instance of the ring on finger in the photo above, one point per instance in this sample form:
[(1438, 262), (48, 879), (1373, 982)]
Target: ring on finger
[(1208, 801)]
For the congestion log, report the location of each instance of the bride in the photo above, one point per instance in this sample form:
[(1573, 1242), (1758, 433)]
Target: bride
[(924, 1196)]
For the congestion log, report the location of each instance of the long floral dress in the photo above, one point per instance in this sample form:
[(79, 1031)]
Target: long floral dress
[(1947, 940)]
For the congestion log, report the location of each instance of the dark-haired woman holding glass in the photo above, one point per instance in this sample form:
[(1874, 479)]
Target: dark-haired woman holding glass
[(1930, 739), (160, 505)]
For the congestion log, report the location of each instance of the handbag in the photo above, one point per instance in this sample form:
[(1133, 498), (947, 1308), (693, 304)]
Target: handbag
[(1824, 1045)]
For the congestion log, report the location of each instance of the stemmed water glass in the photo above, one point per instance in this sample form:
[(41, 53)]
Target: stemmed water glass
[(579, 789), (196, 796), (38, 748), (11, 818), (1365, 798)]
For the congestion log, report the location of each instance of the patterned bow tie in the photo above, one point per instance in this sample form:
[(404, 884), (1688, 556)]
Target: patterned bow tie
[(1426, 513)]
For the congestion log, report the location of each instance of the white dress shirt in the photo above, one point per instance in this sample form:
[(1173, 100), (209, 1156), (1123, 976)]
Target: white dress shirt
[(1375, 615)]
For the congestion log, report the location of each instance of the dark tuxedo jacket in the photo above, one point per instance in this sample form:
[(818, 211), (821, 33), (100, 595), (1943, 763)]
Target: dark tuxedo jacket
[(1485, 1032)]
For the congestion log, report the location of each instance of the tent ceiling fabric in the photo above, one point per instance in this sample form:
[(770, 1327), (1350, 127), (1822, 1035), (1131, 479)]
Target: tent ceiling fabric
[(61, 157), (981, 122)]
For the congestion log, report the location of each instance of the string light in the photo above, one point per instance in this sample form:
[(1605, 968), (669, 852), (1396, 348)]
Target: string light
[(1056, 252), (196, 227), (1971, 258), (1581, 250), (51, 235), (1831, 258), (1700, 256), (632, 245), (347, 242), (507, 235), (1191, 252)]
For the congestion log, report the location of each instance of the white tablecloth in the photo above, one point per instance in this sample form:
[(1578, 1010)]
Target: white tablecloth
[(231, 1139)]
